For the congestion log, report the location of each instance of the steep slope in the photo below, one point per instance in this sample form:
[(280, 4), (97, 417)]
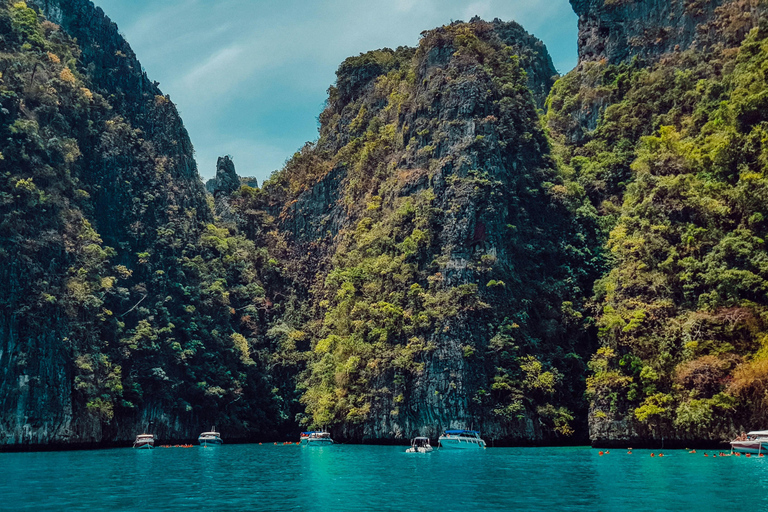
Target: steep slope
[(121, 305), (617, 30), (443, 270), (436, 259), (111, 66), (667, 150)]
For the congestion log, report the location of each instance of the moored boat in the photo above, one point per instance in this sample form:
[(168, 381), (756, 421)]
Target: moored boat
[(144, 441), (461, 439), (316, 439), (419, 445), (211, 438), (751, 442)]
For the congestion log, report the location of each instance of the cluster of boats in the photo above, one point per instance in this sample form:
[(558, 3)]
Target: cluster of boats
[(212, 438), (751, 442), (451, 439)]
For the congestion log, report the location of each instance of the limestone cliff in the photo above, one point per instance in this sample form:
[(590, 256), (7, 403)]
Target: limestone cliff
[(114, 298), (425, 224), (112, 66), (617, 30), (677, 362), (429, 262)]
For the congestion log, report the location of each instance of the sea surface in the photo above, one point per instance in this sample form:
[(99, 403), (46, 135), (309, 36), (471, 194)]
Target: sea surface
[(352, 477)]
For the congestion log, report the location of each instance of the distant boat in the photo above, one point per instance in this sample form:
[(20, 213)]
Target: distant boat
[(316, 439), (144, 441), (211, 438), (461, 439), (419, 445), (753, 442)]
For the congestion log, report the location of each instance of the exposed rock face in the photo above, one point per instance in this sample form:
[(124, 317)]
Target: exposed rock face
[(533, 55), (111, 184), (618, 30), (249, 181), (622, 91), (317, 212), (226, 180), (112, 66), (458, 142), (221, 187)]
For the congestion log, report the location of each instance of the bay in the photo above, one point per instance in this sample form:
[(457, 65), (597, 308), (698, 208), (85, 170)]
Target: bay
[(354, 477)]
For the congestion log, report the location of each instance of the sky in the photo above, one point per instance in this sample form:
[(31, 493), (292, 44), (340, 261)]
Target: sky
[(250, 77)]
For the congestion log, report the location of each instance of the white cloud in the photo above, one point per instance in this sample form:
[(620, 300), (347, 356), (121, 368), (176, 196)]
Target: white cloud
[(215, 75), (404, 5)]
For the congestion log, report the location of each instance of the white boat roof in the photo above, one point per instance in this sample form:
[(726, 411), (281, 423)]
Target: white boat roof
[(145, 436), (758, 433), (210, 434)]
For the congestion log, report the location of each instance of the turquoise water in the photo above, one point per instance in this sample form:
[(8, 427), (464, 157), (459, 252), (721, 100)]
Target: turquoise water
[(350, 477)]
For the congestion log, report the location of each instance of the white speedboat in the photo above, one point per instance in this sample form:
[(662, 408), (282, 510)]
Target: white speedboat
[(144, 441), (211, 438), (419, 445), (316, 439), (461, 439), (752, 442)]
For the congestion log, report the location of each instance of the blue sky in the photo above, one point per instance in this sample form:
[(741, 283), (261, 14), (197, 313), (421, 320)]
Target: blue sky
[(250, 76)]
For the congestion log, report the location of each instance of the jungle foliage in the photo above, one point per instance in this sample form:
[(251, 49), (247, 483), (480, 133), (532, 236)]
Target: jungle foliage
[(150, 304), (673, 159), (450, 245), (444, 248)]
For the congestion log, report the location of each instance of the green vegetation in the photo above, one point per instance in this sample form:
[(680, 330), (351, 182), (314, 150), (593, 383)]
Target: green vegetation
[(445, 250), (675, 169), (442, 253), (110, 276)]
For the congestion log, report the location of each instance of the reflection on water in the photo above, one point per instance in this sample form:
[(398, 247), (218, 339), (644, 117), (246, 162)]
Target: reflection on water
[(344, 477)]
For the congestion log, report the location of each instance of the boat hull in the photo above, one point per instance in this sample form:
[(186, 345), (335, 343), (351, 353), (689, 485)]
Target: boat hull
[(143, 446), (453, 443), (208, 442), (749, 446), (420, 449), (316, 442)]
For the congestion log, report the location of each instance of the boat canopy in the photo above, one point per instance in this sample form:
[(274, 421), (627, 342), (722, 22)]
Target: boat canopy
[(145, 436), (210, 434), (760, 433), (462, 432)]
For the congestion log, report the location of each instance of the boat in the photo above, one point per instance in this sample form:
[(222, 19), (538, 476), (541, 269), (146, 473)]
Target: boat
[(315, 439), (419, 445), (461, 439), (751, 442), (144, 441), (211, 438)]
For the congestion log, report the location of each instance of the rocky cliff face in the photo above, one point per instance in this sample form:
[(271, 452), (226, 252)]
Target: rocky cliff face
[(222, 186), (111, 66), (425, 226), (670, 367), (617, 30), (116, 288), (424, 265), (620, 29), (226, 180)]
